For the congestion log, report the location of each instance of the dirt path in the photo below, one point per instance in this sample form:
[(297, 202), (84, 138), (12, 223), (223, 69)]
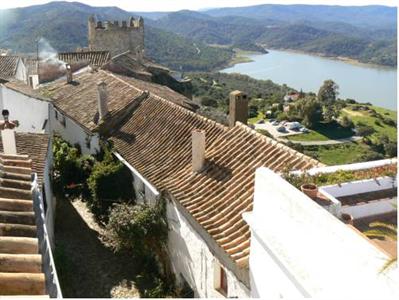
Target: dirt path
[(85, 266)]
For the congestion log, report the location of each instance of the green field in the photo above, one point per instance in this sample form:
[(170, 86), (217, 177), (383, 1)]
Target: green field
[(338, 154), (365, 118), (323, 132)]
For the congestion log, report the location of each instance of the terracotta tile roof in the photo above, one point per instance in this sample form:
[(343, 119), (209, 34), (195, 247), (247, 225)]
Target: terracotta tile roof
[(94, 58), (35, 145), (25, 89), (156, 140), (79, 100), (8, 66), (21, 270)]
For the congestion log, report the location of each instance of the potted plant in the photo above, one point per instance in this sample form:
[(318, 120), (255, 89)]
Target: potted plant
[(347, 218), (309, 189)]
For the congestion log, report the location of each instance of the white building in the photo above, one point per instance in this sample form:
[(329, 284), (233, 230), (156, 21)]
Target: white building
[(304, 251), (12, 67)]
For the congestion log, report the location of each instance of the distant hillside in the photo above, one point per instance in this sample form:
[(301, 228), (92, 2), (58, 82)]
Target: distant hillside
[(375, 16), (333, 38), (64, 25)]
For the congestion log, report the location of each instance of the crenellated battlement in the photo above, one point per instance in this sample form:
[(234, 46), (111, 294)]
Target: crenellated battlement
[(131, 24), (116, 36)]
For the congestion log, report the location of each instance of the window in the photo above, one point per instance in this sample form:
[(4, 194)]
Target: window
[(88, 141), (56, 114), (220, 279), (223, 281), (63, 121)]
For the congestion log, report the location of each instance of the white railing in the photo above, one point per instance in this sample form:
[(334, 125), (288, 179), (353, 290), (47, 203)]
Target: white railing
[(52, 283)]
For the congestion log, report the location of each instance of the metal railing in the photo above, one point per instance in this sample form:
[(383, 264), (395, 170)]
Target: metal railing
[(52, 284)]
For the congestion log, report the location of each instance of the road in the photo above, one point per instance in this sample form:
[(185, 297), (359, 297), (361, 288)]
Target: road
[(321, 143)]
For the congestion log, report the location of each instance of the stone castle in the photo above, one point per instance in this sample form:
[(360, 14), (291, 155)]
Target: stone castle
[(117, 37)]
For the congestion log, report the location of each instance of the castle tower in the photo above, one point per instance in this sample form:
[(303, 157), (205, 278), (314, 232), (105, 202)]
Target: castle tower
[(116, 37)]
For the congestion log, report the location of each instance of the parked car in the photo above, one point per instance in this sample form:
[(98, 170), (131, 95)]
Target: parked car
[(261, 121), (272, 120), (304, 130), (275, 123), (281, 129), (294, 125)]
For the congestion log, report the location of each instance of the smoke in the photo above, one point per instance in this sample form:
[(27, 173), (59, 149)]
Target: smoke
[(48, 54)]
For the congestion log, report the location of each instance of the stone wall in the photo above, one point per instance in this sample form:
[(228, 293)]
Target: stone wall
[(117, 37)]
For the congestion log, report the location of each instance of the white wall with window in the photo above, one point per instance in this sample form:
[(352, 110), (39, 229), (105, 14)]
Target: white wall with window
[(73, 133), (31, 113), (192, 260)]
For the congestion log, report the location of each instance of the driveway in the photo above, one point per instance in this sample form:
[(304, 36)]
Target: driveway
[(273, 130)]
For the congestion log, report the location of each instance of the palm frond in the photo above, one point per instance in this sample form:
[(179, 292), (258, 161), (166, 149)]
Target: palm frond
[(382, 230)]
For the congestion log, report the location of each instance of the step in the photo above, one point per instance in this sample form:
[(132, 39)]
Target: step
[(16, 204), (16, 183), (18, 170), (22, 284), (13, 193), (18, 217), (27, 163), (14, 156), (22, 263), (18, 230), (19, 245), (17, 176)]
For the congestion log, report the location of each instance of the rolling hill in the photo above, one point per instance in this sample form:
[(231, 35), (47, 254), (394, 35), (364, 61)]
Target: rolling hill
[(64, 25)]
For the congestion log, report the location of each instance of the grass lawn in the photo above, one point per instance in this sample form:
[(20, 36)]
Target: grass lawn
[(365, 118), (323, 132), (338, 154), (257, 118)]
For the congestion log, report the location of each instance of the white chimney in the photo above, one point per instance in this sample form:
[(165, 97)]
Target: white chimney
[(102, 99), (8, 134), (33, 81), (68, 73), (198, 149)]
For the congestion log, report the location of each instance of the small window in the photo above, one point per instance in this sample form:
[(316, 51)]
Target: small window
[(56, 114), (63, 121), (223, 281), (220, 279), (88, 141)]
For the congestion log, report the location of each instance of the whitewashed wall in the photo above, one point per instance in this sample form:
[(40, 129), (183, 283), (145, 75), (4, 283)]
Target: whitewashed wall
[(73, 133), (30, 112), (190, 257), (304, 251), (50, 199), (21, 73)]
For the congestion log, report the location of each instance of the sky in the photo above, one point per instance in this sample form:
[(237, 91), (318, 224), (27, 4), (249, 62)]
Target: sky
[(173, 5)]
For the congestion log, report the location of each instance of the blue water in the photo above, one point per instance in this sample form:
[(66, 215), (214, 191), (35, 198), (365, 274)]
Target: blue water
[(377, 85)]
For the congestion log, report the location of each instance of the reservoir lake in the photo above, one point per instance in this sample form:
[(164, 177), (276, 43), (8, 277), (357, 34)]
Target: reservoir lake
[(364, 83)]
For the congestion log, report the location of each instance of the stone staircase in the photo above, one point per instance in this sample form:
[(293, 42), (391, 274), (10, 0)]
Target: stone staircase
[(21, 271)]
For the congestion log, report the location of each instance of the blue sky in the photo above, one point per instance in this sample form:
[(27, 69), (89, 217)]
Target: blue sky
[(173, 5)]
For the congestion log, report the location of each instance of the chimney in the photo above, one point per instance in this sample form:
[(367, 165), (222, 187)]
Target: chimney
[(102, 98), (68, 73), (238, 108), (8, 134), (33, 81), (198, 149)]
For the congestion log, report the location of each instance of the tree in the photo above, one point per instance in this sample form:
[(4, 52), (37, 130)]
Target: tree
[(346, 122), (327, 96), (208, 101), (328, 92), (309, 109)]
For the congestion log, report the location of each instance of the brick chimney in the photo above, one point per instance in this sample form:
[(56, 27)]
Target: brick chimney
[(238, 108), (68, 73), (102, 99), (198, 149)]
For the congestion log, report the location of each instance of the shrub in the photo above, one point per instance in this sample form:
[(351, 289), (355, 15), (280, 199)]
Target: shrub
[(364, 130), (377, 122), (346, 122), (389, 122), (109, 182), (208, 101), (391, 149)]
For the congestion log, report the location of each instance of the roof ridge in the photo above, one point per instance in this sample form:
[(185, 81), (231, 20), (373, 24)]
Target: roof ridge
[(185, 110), (277, 143), (120, 79)]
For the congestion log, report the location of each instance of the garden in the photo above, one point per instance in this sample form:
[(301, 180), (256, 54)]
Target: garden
[(102, 233)]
